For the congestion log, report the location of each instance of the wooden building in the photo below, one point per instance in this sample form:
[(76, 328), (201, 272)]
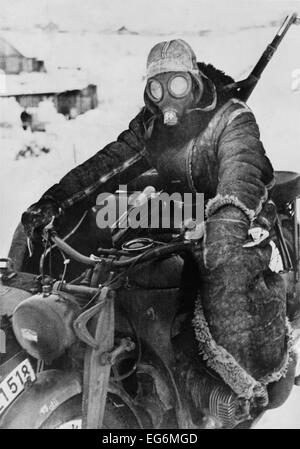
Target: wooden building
[(12, 61), (78, 100), (70, 96)]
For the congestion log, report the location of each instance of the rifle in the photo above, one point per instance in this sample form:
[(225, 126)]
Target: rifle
[(246, 86)]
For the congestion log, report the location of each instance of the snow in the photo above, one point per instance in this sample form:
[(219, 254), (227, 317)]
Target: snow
[(144, 16), (10, 111), (236, 34)]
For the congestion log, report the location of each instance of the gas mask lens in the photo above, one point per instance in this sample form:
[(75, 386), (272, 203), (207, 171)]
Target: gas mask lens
[(173, 95), (178, 86), (156, 90)]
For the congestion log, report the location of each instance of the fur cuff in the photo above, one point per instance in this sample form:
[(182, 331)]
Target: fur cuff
[(290, 352), (222, 200), (222, 362)]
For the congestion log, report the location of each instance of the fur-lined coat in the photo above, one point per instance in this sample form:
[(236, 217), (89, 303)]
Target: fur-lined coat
[(240, 318)]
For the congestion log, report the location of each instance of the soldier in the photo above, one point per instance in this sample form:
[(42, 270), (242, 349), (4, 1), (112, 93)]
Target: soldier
[(194, 132)]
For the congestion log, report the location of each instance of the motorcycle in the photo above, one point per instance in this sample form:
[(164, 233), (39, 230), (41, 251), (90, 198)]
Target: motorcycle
[(109, 347)]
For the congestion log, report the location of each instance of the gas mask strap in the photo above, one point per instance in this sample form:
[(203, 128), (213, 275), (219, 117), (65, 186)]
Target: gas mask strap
[(149, 128), (148, 124), (212, 105)]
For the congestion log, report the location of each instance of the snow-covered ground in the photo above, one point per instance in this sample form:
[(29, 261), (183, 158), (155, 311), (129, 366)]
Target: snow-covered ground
[(116, 63)]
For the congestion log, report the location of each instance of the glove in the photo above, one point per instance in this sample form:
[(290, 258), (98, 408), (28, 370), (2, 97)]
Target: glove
[(243, 301), (38, 216)]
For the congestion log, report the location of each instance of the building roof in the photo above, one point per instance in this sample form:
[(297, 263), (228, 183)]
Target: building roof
[(28, 44), (56, 81)]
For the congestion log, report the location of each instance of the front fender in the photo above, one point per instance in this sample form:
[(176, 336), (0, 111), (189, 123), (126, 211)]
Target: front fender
[(35, 404)]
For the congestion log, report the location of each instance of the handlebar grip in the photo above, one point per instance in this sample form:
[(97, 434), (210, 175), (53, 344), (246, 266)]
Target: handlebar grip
[(75, 289), (72, 252)]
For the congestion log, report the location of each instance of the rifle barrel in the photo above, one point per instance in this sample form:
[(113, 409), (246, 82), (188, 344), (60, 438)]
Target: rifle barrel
[(248, 85)]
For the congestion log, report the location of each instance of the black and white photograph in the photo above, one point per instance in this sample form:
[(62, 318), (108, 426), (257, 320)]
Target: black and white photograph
[(149, 217)]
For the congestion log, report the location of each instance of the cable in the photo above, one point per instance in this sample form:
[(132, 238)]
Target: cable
[(66, 237)]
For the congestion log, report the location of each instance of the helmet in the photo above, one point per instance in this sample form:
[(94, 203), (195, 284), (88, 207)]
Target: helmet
[(171, 56)]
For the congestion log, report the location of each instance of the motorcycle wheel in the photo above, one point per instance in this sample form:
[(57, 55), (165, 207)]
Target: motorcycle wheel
[(68, 415)]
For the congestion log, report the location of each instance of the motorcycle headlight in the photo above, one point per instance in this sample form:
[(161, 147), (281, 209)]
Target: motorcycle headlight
[(43, 326)]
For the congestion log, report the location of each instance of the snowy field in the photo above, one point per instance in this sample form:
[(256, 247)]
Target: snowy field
[(116, 63)]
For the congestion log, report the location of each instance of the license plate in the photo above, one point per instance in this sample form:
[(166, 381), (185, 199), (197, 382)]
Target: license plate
[(14, 383)]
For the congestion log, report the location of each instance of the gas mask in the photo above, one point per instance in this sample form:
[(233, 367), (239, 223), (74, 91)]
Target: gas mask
[(175, 84), (174, 94)]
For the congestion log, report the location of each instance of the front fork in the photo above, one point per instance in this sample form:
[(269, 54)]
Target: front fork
[(100, 354)]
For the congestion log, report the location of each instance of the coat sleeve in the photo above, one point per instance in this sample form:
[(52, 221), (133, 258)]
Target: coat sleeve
[(117, 163), (245, 173)]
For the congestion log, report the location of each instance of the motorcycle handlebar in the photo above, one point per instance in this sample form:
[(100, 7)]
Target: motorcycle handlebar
[(150, 254), (75, 289), (72, 253)]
